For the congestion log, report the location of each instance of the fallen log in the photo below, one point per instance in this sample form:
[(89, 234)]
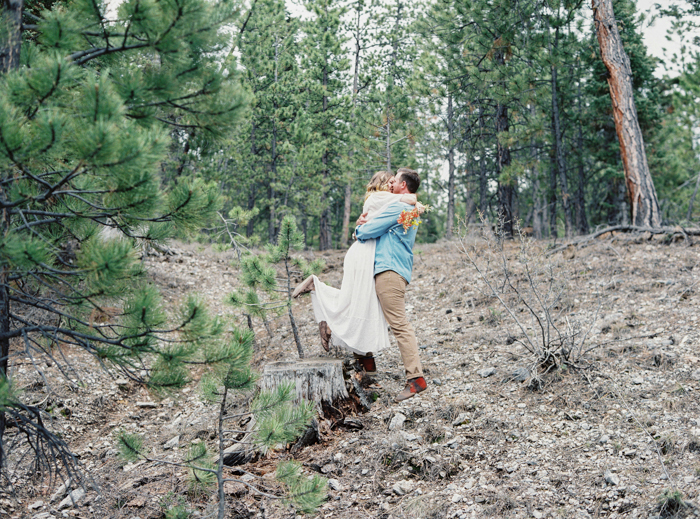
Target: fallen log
[(584, 240)]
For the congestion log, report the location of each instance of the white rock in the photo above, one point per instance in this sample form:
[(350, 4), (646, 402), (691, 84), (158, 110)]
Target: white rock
[(402, 487), (147, 405), (61, 491), (172, 442), (611, 479), (35, 505), (334, 484), (457, 498), (397, 422), (462, 418), (487, 372), (688, 479), (72, 499), (638, 381)]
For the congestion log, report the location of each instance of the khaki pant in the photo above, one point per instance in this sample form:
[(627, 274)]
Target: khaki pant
[(391, 290)]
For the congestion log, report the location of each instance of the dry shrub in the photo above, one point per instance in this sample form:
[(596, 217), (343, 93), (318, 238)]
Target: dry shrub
[(533, 291)]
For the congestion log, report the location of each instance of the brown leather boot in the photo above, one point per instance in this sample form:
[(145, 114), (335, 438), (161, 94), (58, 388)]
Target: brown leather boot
[(304, 287), (413, 386), (366, 364), (325, 333)]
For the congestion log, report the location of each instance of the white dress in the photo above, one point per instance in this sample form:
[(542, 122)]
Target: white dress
[(353, 313)]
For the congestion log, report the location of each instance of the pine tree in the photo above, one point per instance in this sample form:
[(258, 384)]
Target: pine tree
[(327, 106), (87, 109), (259, 275), (276, 420)]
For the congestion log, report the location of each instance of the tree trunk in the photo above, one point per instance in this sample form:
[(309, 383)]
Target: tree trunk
[(483, 180), (10, 45), (506, 190), (324, 234), (347, 208), (292, 322), (581, 219), (558, 144), (10, 34), (537, 200), (692, 199), (4, 329), (451, 170), (640, 186), (553, 199), (317, 380)]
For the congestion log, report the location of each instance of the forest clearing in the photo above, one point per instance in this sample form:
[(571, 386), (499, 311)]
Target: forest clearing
[(601, 440), (176, 176)]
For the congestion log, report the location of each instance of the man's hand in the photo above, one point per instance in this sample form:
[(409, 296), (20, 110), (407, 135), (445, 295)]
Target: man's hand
[(362, 219)]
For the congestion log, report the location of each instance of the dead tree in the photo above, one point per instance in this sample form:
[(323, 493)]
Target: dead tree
[(640, 187)]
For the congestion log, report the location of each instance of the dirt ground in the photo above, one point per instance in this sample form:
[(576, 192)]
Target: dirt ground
[(604, 438)]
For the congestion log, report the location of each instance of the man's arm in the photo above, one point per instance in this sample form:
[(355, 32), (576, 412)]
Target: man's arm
[(381, 224)]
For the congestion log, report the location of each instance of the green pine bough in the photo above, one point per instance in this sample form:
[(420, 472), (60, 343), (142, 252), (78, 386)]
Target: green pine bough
[(95, 112), (268, 276), (277, 421)]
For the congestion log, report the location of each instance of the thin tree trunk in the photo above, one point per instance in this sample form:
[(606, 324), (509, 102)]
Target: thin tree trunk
[(553, 198), (324, 234), (10, 46), (4, 330), (10, 34), (390, 82), (220, 462), (347, 207), (558, 144), (640, 186), (272, 227), (251, 194), (483, 180), (506, 190), (451, 170), (537, 213), (692, 199), (355, 87), (292, 322), (581, 218)]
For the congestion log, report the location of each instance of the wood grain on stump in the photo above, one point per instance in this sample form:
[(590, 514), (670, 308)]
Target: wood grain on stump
[(317, 380)]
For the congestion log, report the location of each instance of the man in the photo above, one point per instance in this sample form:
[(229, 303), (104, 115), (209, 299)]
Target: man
[(393, 265)]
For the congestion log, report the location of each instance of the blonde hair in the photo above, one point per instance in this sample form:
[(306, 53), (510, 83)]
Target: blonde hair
[(378, 182)]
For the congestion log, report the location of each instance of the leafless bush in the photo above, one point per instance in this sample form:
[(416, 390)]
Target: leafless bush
[(534, 291)]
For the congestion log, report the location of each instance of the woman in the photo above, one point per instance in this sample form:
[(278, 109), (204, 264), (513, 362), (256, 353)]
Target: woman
[(353, 313)]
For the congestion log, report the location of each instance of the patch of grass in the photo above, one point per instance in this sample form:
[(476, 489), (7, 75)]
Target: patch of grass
[(670, 503)]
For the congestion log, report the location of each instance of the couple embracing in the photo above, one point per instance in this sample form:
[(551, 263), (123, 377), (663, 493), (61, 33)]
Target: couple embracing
[(376, 271)]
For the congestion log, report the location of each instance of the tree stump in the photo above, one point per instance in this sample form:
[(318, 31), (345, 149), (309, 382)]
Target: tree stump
[(318, 380)]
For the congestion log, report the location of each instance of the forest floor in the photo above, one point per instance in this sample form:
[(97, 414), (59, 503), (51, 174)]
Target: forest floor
[(603, 438)]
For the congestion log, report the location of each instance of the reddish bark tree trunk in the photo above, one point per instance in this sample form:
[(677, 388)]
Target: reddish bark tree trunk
[(640, 187)]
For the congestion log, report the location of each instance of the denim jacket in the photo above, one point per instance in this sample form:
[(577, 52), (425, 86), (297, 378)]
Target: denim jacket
[(394, 247)]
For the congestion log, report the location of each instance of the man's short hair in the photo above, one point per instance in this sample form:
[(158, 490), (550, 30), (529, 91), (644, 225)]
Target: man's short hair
[(411, 178)]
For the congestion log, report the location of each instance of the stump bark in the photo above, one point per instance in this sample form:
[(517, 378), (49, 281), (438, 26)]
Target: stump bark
[(318, 380)]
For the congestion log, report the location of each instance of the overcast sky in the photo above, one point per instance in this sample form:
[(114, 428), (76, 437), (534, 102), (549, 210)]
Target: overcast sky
[(655, 35)]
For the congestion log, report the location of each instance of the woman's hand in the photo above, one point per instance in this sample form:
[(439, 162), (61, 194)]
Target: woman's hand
[(361, 220), (420, 208), (409, 198)]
